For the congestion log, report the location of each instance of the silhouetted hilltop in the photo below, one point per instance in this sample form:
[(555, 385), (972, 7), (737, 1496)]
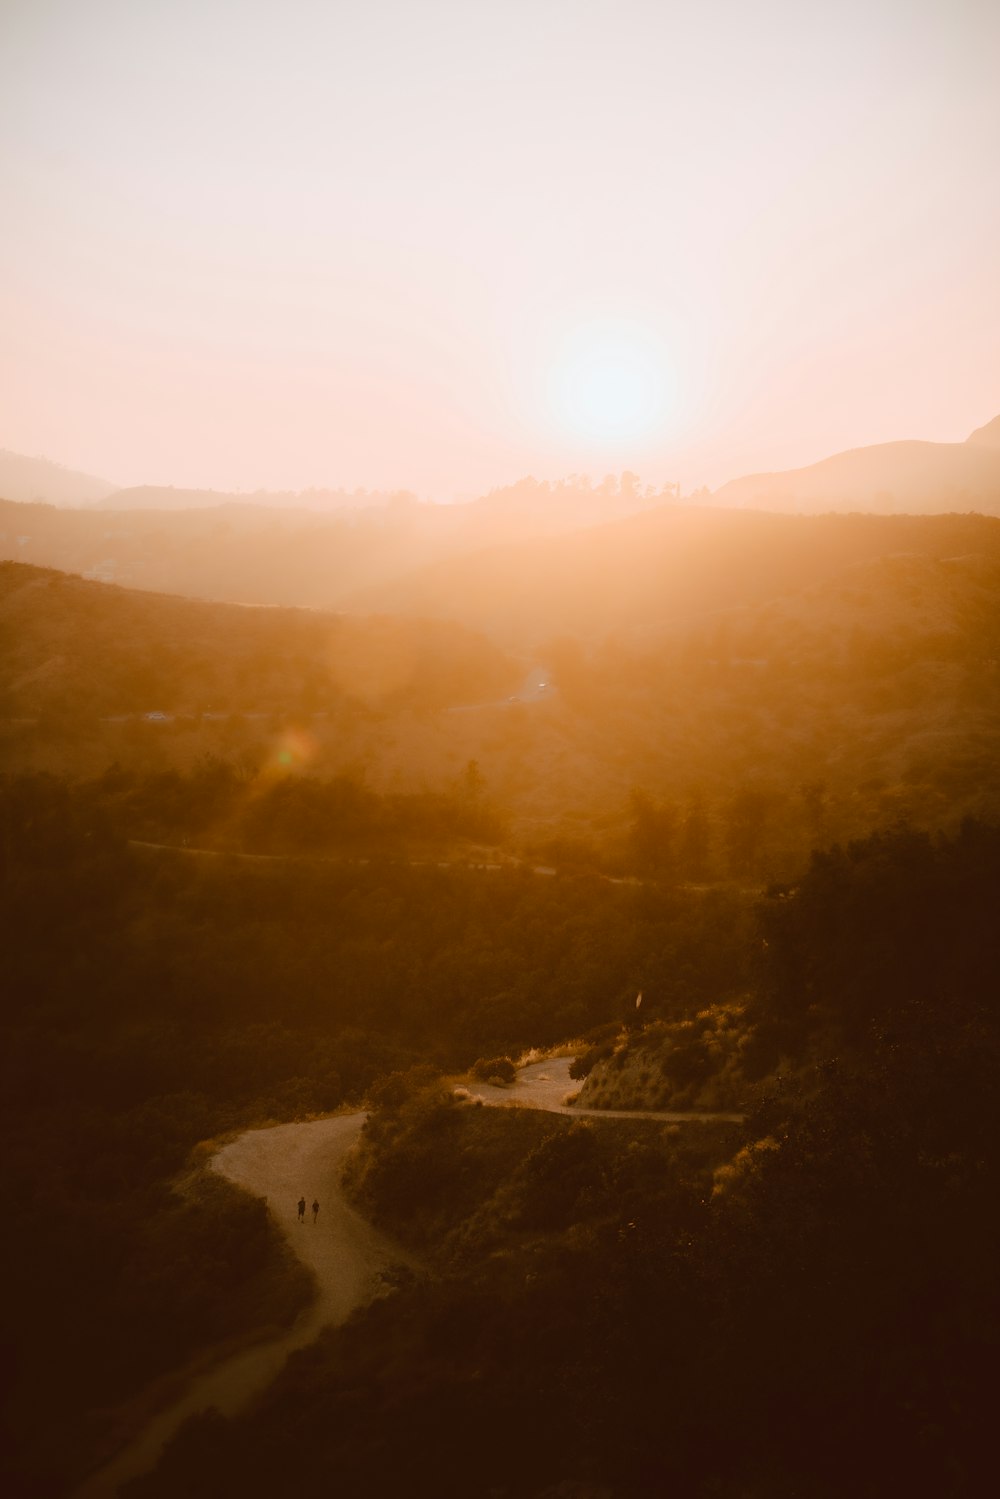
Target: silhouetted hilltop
[(921, 477), (26, 479), (987, 436)]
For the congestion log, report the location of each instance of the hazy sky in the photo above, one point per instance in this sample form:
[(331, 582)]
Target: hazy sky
[(440, 244)]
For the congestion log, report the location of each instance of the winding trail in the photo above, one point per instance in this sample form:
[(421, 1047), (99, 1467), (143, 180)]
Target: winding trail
[(545, 1085), (344, 1252)]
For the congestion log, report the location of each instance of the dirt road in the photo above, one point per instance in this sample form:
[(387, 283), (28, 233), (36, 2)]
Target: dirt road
[(345, 1253), (545, 1085)]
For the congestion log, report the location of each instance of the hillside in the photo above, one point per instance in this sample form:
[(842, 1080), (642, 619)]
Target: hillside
[(38, 479), (917, 477), (250, 552), (987, 436), (751, 731), (671, 567), (241, 553), (80, 649), (155, 1000), (800, 1303)]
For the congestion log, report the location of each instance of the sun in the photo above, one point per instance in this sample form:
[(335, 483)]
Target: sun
[(611, 384)]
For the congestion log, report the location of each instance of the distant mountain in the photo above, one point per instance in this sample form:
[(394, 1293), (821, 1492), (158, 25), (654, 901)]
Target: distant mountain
[(28, 479), (923, 478), (988, 436)]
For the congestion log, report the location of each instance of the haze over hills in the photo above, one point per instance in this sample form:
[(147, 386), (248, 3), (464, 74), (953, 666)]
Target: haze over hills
[(38, 479), (75, 647), (533, 561), (986, 436), (909, 476), (247, 553), (671, 567), (482, 565), (167, 497), (916, 477), (763, 651)]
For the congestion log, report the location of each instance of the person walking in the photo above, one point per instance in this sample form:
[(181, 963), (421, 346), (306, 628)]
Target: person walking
[(315, 1210), (302, 1210)]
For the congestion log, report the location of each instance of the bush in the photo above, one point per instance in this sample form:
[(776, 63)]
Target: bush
[(494, 1070), (583, 1065)]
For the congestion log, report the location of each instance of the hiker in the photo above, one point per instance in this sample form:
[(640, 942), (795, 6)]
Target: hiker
[(315, 1211), (302, 1210)]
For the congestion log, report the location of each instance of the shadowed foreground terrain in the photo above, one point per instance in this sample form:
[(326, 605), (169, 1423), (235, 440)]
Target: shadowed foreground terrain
[(154, 1001), (343, 1253), (805, 1303)]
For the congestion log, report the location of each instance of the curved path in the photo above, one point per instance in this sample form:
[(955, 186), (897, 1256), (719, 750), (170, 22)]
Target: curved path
[(545, 1085), (344, 1251)]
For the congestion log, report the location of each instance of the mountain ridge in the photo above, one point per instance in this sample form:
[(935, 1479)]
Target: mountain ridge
[(910, 476), (26, 480)]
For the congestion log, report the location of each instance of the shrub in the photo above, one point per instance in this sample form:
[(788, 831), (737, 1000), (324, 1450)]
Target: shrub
[(582, 1066), (494, 1070)]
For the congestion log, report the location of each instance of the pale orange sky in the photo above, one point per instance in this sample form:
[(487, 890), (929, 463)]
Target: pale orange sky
[(439, 244)]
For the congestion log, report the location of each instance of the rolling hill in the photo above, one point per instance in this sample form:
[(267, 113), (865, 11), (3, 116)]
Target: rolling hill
[(853, 656), (28, 479), (248, 553), (84, 650), (916, 477), (671, 568)]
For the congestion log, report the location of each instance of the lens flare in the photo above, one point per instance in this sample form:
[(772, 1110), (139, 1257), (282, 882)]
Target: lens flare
[(293, 750)]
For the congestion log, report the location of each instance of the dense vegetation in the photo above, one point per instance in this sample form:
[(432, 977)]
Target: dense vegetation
[(154, 999), (810, 1307)]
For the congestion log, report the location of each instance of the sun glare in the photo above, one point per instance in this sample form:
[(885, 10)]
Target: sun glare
[(611, 383)]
